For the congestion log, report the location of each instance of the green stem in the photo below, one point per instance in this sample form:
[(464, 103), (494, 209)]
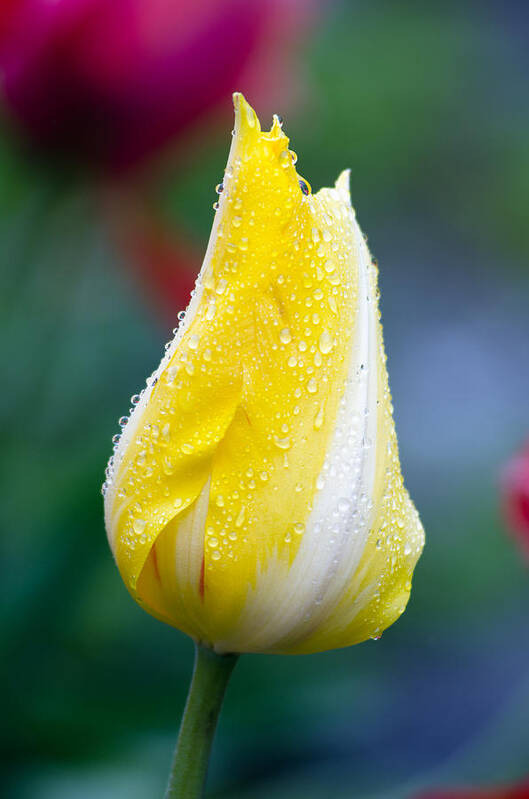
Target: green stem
[(204, 700)]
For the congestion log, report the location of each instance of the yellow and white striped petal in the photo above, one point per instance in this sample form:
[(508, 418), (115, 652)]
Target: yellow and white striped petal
[(255, 499)]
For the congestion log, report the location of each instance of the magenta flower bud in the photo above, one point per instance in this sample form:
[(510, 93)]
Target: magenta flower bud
[(518, 791), (112, 82), (515, 497)]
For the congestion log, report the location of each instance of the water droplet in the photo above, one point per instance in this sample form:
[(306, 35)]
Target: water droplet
[(282, 443), (318, 419), (312, 386), (240, 518), (193, 342), (219, 187), (122, 421), (299, 528), (236, 221), (325, 343), (285, 336), (135, 399), (285, 159), (215, 206), (139, 525), (210, 313), (304, 186)]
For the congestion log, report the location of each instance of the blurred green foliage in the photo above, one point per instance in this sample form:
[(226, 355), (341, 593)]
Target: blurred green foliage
[(427, 103)]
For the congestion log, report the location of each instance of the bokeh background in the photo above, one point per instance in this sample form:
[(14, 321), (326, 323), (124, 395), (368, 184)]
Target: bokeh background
[(101, 232)]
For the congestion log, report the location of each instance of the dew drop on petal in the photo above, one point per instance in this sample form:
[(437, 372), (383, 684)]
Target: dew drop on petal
[(304, 186), (299, 528), (318, 419), (285, 159), (325, 342)]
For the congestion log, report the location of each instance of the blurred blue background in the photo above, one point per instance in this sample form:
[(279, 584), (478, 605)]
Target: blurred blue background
[(428, 103)]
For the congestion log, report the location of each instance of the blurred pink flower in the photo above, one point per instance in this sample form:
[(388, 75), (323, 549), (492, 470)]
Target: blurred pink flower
[(515, 497), (114, 80), (519, 791)]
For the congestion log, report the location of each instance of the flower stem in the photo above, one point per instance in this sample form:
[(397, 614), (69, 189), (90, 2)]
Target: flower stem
[(204, 700)]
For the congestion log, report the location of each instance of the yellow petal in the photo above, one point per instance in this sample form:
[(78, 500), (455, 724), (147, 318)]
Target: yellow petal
[(255, 500)]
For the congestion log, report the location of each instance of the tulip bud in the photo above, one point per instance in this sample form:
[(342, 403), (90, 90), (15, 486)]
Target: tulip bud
[(255, 499)]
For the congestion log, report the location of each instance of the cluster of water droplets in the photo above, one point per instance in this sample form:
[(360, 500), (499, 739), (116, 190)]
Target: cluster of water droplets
[(135, 400)]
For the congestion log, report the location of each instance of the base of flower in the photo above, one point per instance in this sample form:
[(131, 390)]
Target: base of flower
[(211, 674)]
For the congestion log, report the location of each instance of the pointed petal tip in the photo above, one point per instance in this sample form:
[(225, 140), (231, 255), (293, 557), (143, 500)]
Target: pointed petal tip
[(277, 127), (343, 185), (245, 117)]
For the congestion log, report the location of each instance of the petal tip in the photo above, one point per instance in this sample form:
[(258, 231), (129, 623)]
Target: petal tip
[(245, 117), (343, 185)]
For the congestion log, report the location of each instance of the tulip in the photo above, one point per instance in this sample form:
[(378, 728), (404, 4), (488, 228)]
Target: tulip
[(518, 791), (515, 497), (255, 498), (111, 81)]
